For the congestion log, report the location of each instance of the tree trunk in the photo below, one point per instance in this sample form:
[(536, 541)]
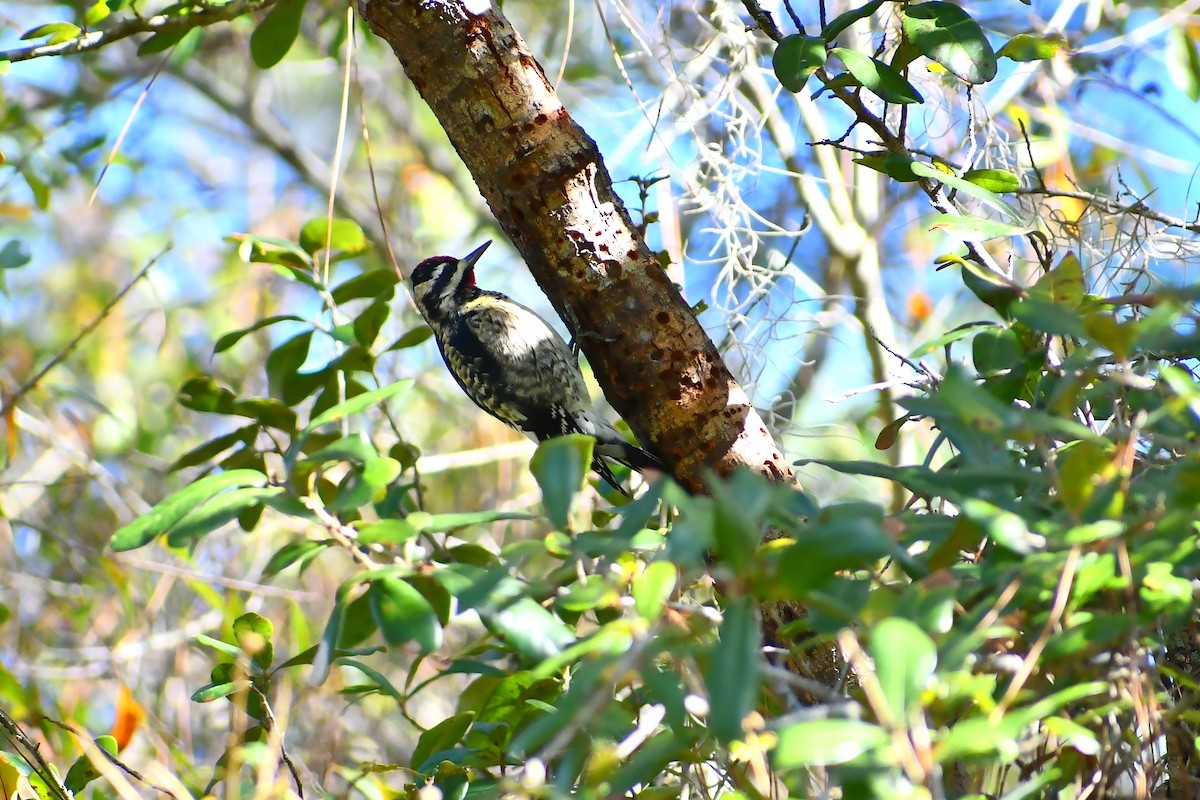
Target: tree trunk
[(546, 184)]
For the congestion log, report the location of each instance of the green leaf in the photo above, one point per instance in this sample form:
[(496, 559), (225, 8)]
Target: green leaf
[(590, 593), (1028, 47), (277, 32), (831, 545), (966, 187), (530, 630), (345, 235), (15, 254), (376, 677), (559, 466), (653, 587), (267, 411), (214, 447), (96, 13), (994, 180), (273, 250), (848, 18), (83, 771), (160, 42), (976, 738), (216, 512), (446, 523), (973, 229), (823, 742), (388, 532), (233, 651), (215, 691), (996, 350), (1005, 528), (58, 32), (376, 284), (949, 337), (796, 58), (253, 634), (878, 77), (368, 324), (732, 678), (203, 394), (411, 338), (1063, 283), (356, 404), (404, 615), (41, 192), (446, 734), (300, 552), (905, 659), (233, 337), (894, 165), (174, 507), (650, 761), (285, 360), (327, 648), (947, 34)]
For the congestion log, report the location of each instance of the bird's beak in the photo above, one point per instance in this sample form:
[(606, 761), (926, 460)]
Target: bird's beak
[(470, 259)]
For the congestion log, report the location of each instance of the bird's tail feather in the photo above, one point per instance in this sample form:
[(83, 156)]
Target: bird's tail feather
[(630, 455)]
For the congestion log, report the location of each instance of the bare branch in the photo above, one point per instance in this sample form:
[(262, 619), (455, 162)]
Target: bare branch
[(1111, 205), (25, 388), (201, 16)]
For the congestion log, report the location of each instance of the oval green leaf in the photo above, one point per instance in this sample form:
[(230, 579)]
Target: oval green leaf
[(277, 32), (945, 33), (344, 235), (826, 741), (994, 180), (404, 615), (1028, 47), (878, 77), (796, 58), (904, 662), (732, 678), (176, 506), (559, 466)]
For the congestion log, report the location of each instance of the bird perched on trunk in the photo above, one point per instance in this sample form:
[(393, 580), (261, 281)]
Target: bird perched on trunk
[(512, 364)]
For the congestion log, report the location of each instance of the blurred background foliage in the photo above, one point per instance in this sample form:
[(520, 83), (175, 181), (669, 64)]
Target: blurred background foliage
[(812, 272)]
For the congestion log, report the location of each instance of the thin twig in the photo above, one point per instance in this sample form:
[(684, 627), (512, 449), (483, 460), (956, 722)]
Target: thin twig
[(116, 148), (31, 752), (763, 18), (1061, 595), (1114, 206), (28, 386), (91, 749), (202, 15)]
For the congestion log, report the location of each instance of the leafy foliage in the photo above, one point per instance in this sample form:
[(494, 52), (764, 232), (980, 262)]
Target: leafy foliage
[(1021, 624)]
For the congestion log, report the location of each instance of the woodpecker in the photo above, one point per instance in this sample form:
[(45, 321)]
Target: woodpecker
[(512, 364)]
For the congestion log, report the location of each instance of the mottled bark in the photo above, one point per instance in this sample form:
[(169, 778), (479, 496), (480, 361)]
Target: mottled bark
[(544, 180), (547, 186)]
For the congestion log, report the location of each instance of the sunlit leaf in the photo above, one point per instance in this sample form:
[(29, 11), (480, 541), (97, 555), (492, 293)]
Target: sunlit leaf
[(1030, 47), (878, 77), (175, 507), (947, 34), (796, 58)]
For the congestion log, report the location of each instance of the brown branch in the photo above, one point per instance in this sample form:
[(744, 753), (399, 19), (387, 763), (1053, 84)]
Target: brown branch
[(202, 16), (546, 183)]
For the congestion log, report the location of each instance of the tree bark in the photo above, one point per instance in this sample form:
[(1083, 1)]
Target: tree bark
[(546, 184)]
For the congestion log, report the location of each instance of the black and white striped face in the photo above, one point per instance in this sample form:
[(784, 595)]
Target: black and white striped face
[(438, 282)]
